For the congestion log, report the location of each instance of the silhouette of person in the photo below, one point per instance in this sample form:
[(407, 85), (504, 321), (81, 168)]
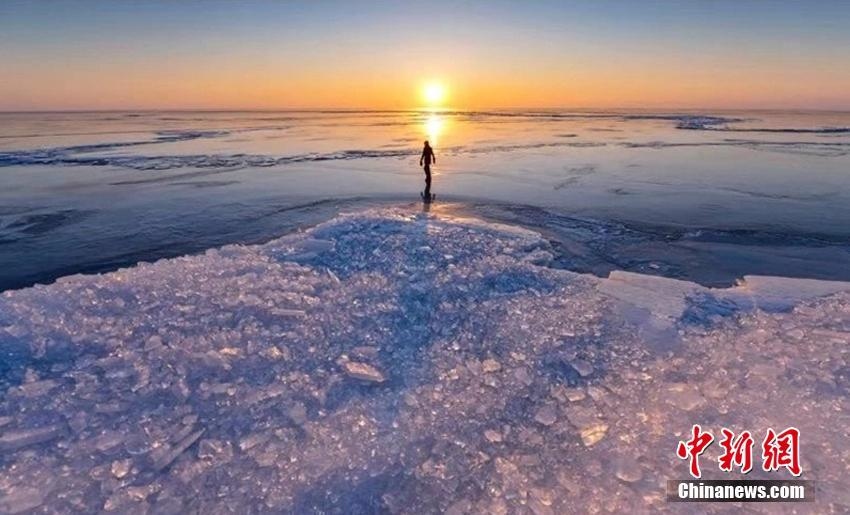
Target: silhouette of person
[(427, 158)]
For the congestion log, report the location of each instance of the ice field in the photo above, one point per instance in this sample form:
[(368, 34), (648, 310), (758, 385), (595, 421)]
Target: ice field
[(393, 360), (732, 193)]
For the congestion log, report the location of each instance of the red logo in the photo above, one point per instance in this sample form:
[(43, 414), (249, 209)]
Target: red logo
[(778, 450), (694, 447), (782, 450), (737, 452)]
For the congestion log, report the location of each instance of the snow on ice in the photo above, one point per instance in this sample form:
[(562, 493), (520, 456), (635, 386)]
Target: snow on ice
[(408, 363)]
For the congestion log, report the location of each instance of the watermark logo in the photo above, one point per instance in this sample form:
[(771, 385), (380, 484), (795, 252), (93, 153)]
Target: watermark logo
[(691, 449), (737, 452), (738, 490), (779, 450), (782, 450)]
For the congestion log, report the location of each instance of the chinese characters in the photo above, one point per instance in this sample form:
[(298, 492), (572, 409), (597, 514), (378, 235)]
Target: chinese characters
[(779, 450)]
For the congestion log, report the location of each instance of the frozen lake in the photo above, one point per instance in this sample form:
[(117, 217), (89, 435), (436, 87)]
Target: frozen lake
[(708, 197)]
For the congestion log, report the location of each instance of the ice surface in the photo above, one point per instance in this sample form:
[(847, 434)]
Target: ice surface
[(75, 156), (669, 299), (684, 191), (404, 362), (119, 153)]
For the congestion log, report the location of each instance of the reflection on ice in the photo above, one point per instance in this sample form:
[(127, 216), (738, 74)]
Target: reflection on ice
[(433, 128), (402, 362)]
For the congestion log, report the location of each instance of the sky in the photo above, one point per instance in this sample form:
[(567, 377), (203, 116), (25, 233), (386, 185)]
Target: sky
[(252, 54)]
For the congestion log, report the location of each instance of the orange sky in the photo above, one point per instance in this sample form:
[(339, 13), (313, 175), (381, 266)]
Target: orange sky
[(517, 85), (268, 55)]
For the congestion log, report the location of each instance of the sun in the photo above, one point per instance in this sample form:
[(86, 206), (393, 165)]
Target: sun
[(434, 94)]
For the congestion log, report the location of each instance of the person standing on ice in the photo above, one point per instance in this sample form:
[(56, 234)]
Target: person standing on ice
[(427, 158)]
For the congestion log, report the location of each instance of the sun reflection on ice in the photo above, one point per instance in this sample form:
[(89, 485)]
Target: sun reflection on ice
[(434, 125)]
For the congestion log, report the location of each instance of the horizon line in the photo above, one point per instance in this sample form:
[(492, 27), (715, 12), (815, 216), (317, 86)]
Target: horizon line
[(418, 109)]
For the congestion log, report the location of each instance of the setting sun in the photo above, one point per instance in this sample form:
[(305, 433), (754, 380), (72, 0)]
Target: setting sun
[(434, 93)]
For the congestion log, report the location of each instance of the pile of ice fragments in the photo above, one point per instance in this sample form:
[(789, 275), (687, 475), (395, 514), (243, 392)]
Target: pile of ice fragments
[(407, 363)]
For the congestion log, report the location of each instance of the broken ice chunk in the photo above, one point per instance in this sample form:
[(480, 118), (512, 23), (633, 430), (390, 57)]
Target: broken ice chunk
[(168, 454), (15, 439), (33, 389), (574, 394), (628, 470), (590, 427), (316, 245), (541, 501), (796, 334), (137, 444), (21, 499), (281, 312), (683, 396), (215, 450), (297, 413), (310, 249), (120, 468), (252, 440), (521, 374), (591, 434), (363, 371), (546, 415), (365, 351), (493, 436), (108, 440), (581, 366), (491, 365)]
